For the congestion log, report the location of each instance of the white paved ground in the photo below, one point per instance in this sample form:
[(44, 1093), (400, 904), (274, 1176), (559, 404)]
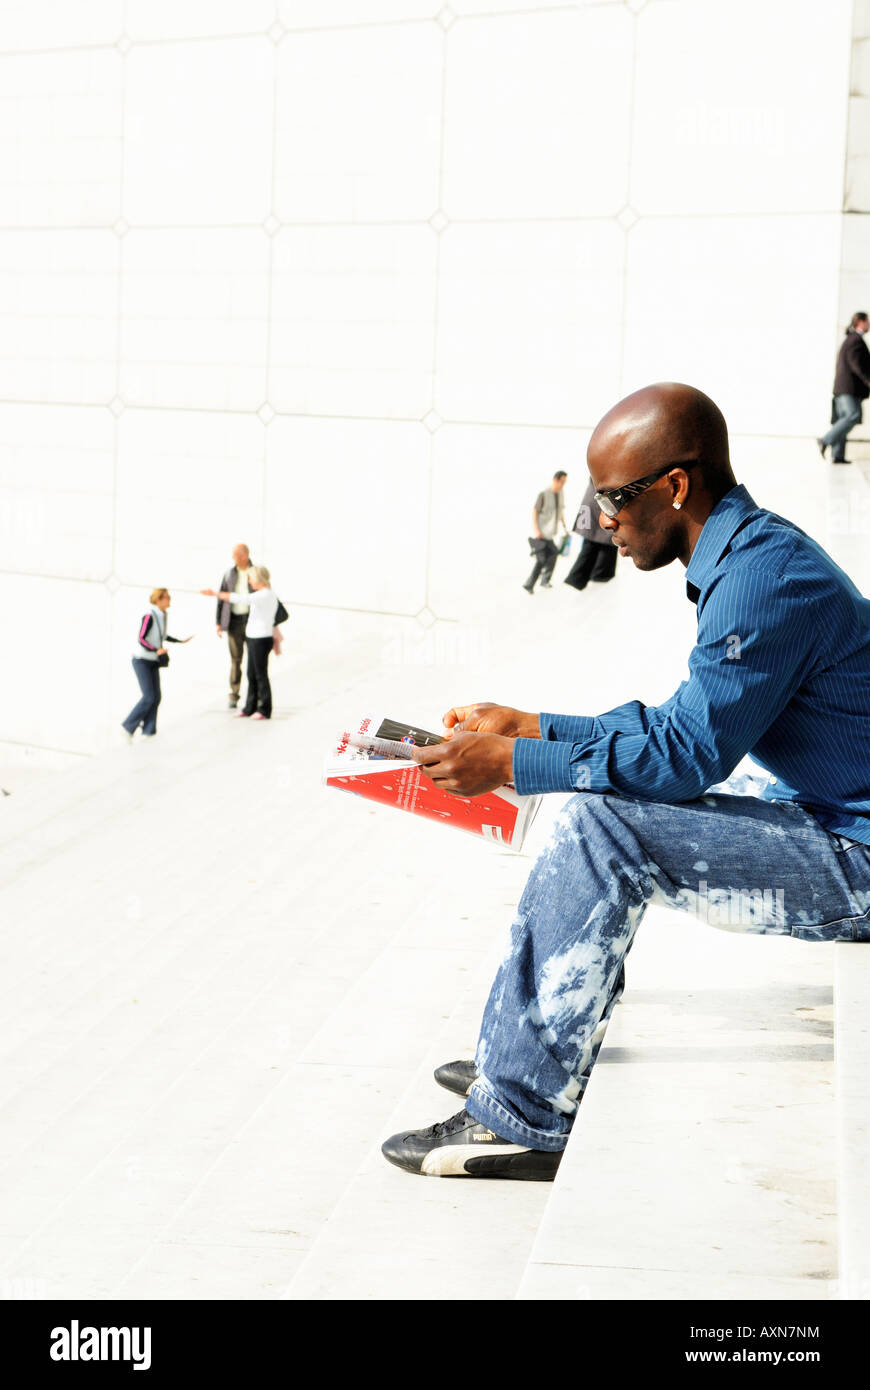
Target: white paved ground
[(223, 985)]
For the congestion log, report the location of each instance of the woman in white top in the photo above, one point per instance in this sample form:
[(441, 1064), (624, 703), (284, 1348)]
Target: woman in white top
[(258, 640)]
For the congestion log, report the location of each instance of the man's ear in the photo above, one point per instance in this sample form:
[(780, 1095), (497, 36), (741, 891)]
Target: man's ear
[(680, 485)]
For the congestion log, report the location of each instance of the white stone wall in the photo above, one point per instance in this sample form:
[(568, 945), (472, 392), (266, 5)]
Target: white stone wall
[(350, 279), (855, 284)]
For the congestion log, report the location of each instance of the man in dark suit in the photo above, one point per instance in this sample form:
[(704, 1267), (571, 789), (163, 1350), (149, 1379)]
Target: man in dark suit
[(851, 387), (232, 617)]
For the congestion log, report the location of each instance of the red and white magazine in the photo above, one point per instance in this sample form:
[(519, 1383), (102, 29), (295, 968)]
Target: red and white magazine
[(373, 760)]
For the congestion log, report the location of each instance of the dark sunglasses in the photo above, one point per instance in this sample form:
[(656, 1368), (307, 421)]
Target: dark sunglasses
[(613, 501)]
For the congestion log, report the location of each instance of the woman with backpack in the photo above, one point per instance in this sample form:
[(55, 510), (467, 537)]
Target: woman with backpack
[(149, 657)]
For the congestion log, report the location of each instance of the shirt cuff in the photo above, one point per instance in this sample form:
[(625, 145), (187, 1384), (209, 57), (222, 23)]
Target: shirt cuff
[(566, 728), (541, 766)]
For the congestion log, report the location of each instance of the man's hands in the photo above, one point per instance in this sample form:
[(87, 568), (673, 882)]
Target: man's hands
[(219, 631), (468, 764), (486, 718), (478, 750)]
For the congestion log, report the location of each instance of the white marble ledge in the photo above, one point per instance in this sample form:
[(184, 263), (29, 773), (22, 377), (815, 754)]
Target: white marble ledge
[(702, 1162), (852, 1041)]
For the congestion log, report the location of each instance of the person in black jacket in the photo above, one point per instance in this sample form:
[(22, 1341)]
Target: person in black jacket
[(597, 558), (851, 387)]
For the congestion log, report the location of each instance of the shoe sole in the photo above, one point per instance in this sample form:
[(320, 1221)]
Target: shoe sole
[(532, 1166), (499, 1161)]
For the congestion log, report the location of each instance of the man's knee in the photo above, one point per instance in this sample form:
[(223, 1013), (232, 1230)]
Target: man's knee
[(601, 829), (583, 823), (587, 807)]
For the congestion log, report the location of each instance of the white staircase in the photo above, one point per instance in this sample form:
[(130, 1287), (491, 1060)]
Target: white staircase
[(224, 985)]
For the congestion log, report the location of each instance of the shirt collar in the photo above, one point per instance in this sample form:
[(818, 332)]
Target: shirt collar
[(718, 531)]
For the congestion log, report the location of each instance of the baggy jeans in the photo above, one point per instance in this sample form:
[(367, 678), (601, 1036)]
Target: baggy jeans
[(595, 562), (737, 862)]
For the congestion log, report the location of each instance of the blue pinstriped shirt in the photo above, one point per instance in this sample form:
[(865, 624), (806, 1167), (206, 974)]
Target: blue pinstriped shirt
[(780, 670)]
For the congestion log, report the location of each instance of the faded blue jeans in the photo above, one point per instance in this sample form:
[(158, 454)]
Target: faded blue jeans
[(144, 712), (848, 410), (737, 862)]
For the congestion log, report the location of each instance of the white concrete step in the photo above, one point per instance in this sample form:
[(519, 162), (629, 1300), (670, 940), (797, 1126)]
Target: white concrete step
[(702, 1162), (852, 1042), (392, 1235)]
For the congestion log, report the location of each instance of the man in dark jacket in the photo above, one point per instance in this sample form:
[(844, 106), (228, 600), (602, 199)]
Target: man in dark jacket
[(851, 387), (232, 617), (597, 558)]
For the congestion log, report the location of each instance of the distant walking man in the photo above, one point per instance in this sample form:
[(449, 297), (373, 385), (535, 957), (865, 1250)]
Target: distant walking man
[(232, 616), (851, 387), (548, 515)]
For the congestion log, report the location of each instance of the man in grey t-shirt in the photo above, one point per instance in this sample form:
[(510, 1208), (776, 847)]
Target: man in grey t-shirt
[(548, 515)]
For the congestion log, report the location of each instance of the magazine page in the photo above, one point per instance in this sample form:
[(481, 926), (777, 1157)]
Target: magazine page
[(373, 759), (406, 733)]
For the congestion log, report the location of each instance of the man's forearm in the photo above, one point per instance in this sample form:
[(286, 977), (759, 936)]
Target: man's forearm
[(542, 766)]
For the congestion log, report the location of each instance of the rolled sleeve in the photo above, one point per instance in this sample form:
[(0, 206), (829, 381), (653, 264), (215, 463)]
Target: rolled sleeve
[(566, 728)]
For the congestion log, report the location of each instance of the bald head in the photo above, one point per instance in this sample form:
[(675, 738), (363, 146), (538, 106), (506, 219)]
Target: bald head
[(662, 424), (655, 430)]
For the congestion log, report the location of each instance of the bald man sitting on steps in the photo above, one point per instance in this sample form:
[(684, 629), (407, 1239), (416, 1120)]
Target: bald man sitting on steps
[(780, 670)]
